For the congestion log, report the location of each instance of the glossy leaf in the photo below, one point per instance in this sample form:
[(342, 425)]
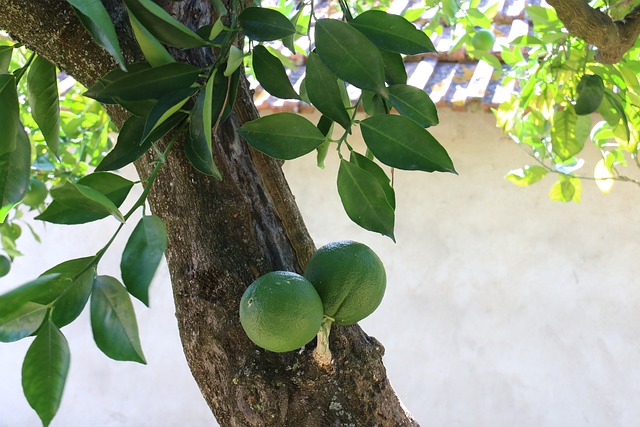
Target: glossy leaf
[(96, 20), (414, 103), (162, 25), (113, 321), (82, 197), (9, 116), (563, 134), (589, 94), (44, 371), (142, 255), (350, 55), (283, 136), (152, 83), (323, 91), (392, 32), (151, 48), (113, 186), (78, 275), (380, 175), (166, 107), (42, 83), (364, 200), (262, 24), (22, 322), (15, 171), (271, 74), (395, 72), (94, 91), (42, 290), (526, 176), (225, 89), (401, 143), (198, 146)]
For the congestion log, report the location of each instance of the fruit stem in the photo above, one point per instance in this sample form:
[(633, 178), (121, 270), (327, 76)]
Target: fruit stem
[(322, 353)]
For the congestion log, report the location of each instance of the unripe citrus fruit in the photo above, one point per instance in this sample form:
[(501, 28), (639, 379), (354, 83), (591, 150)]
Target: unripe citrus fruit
[(36, 194), (483, 40), (5, 265), (350, 279), (281, 311)]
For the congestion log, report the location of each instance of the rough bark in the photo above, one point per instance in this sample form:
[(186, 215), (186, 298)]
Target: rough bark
[(612, 38), (222, 235)]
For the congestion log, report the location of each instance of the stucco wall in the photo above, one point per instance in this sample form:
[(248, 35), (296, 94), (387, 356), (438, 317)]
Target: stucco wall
[(502, 307)]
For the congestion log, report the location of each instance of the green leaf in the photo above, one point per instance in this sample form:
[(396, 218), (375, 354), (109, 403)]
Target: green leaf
[(261, 24), (151, 83), (323, 91), (364, 200), (394, 71), (116, 74), (96, 20), (113, 321), (289, 41), (373, 103), (151, 48), (22, 322), (78, 275), (401, 143), (583, 128), (619, 109), (166, 107), (283, 136), (375, 170), (82, 197), (128, 147), (235, 60), (113, 186), (566, 189), (42, 82), (15, 170), (589, 94), (162, 25), (225, 89), (271, 74), (44, 371), (6, 53), (563, 134), (325, 126), (350, 55), (392, 32), (42, 290), (414, 103), (10, 113), (142, 255), (526, 176)]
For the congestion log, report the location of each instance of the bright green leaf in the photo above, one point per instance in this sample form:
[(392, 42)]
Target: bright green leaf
[(566, 189), (42, 82), (414, 103), (271, 74), (235, 60), (151, 48), (113, 321), (262, 24), (563, 134), (22, 322), (526, 176), (323, 91)]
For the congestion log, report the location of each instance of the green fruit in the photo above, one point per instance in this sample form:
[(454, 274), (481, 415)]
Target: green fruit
[(349, 278), (36, 194), (281, 311), (5, 265), (483, 40)]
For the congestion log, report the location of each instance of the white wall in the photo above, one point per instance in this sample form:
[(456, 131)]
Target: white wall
[(502, 307)]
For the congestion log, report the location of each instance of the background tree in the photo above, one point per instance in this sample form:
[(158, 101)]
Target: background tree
[(251, 225)]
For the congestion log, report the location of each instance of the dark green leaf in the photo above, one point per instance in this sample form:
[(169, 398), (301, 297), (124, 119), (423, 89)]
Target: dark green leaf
[(151, 48), (142, 255), (225, 90), (197, 146), (289, 41), (42, 290), (364, 200), (589, 94), (96, 20), (394, 71), (116, 74), (113, 186), (10, 113), (162, 25), (563, 134), (392, 32), (44, 371), (152, 83), (43, 100), (350, 55), (113, 321), (261, 24), (401, 143), (6, 52), (283, 136), (22, 322), (323, 91), (375, 170), (271, 74), (526, 176), (15, 170), (166, 107), (414, 103), (78, 275), (81, 197), (373, 103)]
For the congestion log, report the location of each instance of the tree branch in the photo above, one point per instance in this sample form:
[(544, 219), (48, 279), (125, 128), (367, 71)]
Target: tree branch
[(612, 38)]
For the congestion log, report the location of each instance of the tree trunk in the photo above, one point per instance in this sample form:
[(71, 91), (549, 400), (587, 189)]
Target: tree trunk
[(223, 235)]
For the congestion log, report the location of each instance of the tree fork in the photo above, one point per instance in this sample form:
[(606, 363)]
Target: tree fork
[(222, 235)]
